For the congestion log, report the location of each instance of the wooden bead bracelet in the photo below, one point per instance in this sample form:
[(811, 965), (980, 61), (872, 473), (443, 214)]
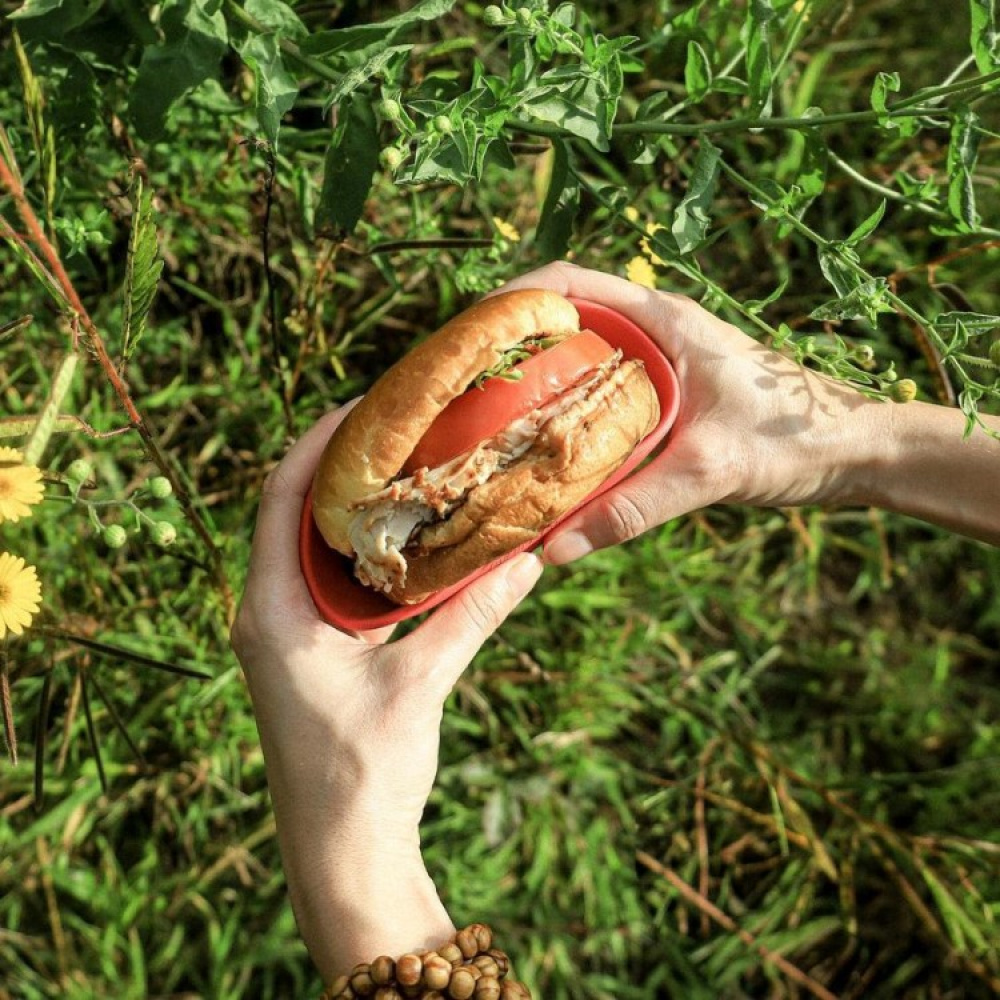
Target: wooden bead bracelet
[(466, 967)]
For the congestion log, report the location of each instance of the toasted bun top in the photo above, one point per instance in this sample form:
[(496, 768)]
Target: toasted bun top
[(369, 448)]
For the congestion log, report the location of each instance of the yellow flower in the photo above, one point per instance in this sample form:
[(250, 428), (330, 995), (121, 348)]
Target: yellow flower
[(632, 213), (506, 230), (639, 270), (20, 594), (652, 228), (20, 486)]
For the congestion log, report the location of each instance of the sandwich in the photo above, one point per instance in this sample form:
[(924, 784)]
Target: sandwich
[(476, 441)]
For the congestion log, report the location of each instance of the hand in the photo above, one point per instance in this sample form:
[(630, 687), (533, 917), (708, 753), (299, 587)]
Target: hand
[(350, 731), (753, 426)]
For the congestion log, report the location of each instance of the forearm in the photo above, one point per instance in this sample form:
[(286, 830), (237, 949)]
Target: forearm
[(922, 466), (356, 892)]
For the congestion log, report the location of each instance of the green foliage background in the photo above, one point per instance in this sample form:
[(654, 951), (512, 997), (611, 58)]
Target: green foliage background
[(792, 712)]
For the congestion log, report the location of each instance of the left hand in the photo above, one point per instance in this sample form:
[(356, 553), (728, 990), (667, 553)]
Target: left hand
[(349, 726)]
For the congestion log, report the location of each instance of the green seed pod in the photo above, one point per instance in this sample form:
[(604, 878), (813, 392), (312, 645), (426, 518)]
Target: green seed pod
[(443, 124), (115, 536), (493, 16), (164, 533), (903, 391), (392, 157), (391, 109), (159, 487), (78, 471)]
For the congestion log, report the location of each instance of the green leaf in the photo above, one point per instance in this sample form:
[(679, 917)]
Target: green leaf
[(360, 75), (963, 150), (70, 13), (985, 35), (142, 270), (760, 14), (866, 228), (362, 36), (691, 218), (350, 164), (576, 105), (697, 72), (275, 88), (865, 301), (562, 203), (194, 41), (834, 262)]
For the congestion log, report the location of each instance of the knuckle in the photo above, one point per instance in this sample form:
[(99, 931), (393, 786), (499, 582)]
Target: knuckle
[(481, 611), (626, 518)]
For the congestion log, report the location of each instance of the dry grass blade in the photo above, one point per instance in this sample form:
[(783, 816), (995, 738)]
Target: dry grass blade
[(117, 719), (120, 652), (9, 732), (707, 907)]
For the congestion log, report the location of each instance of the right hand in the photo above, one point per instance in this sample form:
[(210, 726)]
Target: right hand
[(753, 427)]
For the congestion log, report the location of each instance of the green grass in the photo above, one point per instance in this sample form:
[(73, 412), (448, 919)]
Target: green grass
[(794, 713)]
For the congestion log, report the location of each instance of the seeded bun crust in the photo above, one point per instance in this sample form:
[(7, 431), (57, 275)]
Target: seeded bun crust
[(369, 448)]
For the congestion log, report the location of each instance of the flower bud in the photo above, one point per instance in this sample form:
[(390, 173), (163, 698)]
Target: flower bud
[(391, 109), (864, 354), (78, 471), (524, 18), (493, 16), (114, 536), (164, 533), (443, 124), (903, 391), (159, 487), (392, 157)]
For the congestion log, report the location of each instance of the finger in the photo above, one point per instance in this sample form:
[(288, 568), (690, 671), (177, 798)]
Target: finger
[(452, 636), (665, 316), (666, 488), (275, 542)]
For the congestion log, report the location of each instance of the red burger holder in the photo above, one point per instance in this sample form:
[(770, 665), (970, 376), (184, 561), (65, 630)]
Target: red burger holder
[(343, 602)]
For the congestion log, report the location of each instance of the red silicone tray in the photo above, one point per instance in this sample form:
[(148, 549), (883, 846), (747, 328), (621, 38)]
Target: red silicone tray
[(344, 602)]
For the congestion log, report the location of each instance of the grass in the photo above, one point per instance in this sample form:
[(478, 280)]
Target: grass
[(753, 754)]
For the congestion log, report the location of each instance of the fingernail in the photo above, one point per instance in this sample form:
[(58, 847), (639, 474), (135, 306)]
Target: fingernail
[(567, 548), (524, 571)]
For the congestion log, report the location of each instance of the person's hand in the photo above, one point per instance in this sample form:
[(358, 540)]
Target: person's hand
[(753, 426), (349, 726)]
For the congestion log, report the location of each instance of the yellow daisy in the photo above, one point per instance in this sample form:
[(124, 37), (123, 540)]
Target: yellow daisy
[(20, 594), (639, 270), (506, 230), (652, 228), (20, 486)]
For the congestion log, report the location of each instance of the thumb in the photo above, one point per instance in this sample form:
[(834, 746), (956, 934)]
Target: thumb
[(666, 488), (453, 635)]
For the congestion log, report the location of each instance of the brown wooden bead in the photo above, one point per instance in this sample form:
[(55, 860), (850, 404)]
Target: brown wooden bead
[(488, 988), (388, 993), (437, 972), (361, 980), (383, 971), (503, 962), (484, 937), (487, 964), (466, 941), (462, 985), (511, 990), (451, 953), (435, 995), (337, 986), (409, 969), (413, 991)]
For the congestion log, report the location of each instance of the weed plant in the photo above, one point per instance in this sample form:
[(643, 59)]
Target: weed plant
[(752, 754)]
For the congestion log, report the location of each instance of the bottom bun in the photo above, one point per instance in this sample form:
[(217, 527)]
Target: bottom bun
[(572, 456)]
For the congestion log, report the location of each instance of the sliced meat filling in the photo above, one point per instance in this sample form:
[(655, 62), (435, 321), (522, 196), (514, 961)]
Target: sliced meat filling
[(386, 521)]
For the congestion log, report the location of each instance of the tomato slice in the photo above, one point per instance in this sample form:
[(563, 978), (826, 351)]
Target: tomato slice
[(481, 413)]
